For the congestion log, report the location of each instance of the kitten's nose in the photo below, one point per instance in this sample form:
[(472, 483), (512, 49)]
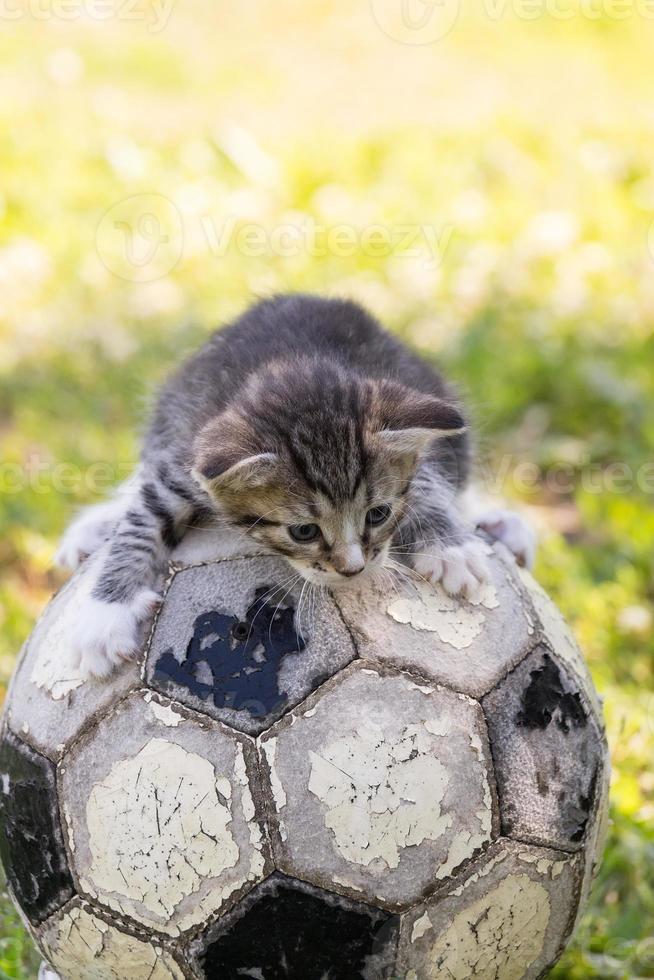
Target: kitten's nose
[(349, 561)]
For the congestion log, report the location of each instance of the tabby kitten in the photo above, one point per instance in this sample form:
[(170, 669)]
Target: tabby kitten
[(316, 433)]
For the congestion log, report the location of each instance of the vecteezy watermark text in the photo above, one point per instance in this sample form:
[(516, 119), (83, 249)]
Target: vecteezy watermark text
[(309, 237), (42, 476), (418, 22), (155, 14), (524, 477), (142, 238)]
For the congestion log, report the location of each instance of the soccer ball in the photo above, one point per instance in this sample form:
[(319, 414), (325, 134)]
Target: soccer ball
[(380, 782)]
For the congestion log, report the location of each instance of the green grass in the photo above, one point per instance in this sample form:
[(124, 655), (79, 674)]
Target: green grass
[(524, 146), (18, 957)]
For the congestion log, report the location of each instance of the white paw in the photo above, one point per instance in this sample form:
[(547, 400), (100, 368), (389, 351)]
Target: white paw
[(47, 973), (108, 633), (460, 569), (514, 533), (84, 537)]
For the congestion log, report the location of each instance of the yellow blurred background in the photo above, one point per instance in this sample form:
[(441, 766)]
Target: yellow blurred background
[(478, 172)]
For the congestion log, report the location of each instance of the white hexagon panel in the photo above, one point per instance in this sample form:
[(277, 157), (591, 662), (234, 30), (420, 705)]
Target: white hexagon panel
[(389, 779), (82, 945), (162, 812), (507, 918), (468, 646), (51, 702), (234, 639)]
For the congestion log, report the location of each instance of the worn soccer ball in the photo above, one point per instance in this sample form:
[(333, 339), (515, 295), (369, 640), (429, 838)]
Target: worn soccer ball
[(382, 782)]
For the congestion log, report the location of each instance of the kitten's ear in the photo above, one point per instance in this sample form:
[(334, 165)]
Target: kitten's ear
[(217, 475), (412, 420), (225, 459)]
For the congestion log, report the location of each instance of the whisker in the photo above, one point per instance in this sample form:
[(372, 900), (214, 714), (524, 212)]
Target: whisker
[(298, 613), (427, 554), (388, 577), (407, 573), (313, 589), (264, 601), (272, 618)]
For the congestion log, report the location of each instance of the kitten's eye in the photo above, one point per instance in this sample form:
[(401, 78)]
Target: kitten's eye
[(304, 532), (377, 515)]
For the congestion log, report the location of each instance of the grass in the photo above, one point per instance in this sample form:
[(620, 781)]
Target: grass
[(490, 197)]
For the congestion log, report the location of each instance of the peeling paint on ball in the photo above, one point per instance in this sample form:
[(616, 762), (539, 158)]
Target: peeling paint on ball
[(456, 623), (162, 819), (396, 799), (82, 945)]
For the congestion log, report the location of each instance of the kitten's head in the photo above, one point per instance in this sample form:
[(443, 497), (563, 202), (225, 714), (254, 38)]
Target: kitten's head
[(315, 463)]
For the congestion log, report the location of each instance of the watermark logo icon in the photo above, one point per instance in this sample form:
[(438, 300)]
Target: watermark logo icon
[(416, 21), (141, 238)]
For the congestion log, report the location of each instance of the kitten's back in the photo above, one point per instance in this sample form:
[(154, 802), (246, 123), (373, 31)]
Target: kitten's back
[(311, 325), (274, 330)]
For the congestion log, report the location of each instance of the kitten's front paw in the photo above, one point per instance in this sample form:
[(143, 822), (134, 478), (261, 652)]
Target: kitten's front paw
[(83, 538), (460, 569), (47, 973), (108, 633), (514, 533)]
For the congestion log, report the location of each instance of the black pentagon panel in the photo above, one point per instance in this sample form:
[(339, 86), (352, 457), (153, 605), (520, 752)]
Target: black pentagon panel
[(288, 930), (235, 642), (31, 843), (547, 752)]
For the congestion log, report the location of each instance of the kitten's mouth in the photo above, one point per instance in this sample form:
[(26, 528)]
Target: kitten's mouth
[(337, 580), (330, 578)]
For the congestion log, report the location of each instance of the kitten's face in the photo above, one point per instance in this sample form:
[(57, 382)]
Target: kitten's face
[(329, 541), (315, 464)]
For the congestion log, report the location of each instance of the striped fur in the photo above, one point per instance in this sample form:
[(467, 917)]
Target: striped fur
[(303, 412)]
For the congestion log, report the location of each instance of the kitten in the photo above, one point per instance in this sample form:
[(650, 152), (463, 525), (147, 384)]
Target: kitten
[(316, 433)]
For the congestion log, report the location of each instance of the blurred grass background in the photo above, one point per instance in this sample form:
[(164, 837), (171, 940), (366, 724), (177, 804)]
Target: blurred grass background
[(489, 194)]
